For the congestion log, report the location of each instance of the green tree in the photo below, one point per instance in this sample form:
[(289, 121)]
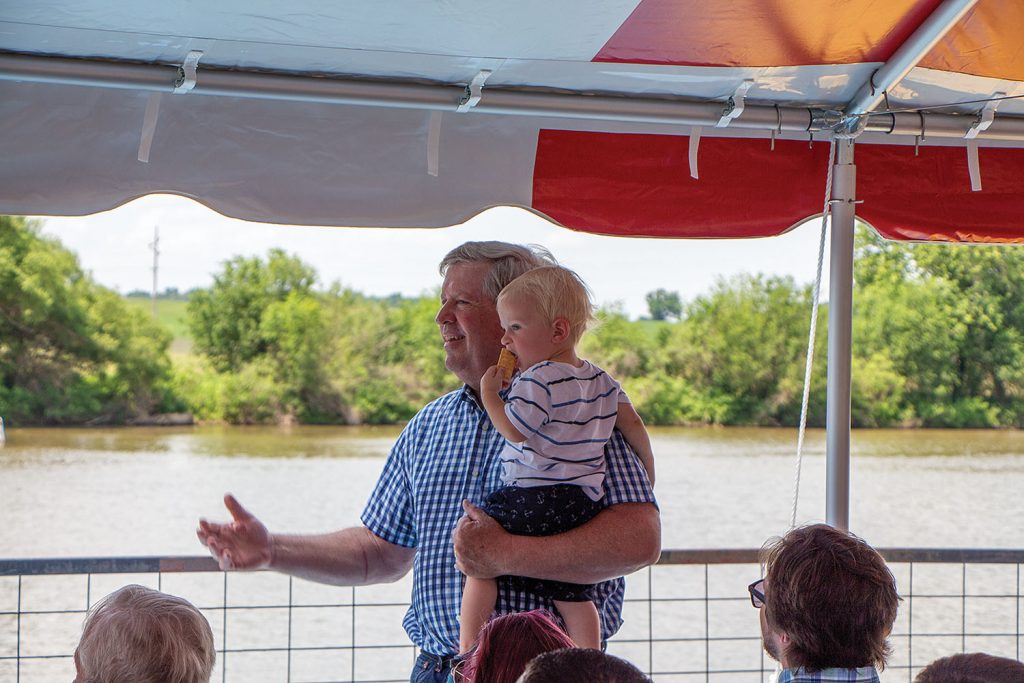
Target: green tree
[(226, 320), (619, 346), (738, 343), (71, 350), (951, 319), (262, 329), (664, 305), (387, 359)]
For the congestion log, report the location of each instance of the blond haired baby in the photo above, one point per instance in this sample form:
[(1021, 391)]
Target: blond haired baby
[(556, 418)]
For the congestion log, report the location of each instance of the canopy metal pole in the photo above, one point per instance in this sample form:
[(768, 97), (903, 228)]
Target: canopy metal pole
[(216, 82), (840, 328)]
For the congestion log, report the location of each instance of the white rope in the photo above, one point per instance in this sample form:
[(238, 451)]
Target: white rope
[(814, 328)]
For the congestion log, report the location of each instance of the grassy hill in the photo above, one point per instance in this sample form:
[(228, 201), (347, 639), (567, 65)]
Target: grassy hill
[(171, 315)]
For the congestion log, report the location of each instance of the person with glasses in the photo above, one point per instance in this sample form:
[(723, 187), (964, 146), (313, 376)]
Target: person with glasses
[(827, 605)]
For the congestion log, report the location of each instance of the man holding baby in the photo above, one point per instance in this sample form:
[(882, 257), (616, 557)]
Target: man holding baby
[(448, 454)]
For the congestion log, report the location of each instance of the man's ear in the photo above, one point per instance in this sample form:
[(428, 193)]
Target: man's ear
[(560, 329), (784, 643)]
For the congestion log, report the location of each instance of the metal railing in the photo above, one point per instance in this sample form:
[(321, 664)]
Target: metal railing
[(687, 619)]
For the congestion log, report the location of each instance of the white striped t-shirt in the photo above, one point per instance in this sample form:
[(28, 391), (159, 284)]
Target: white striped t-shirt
[(567, 415)]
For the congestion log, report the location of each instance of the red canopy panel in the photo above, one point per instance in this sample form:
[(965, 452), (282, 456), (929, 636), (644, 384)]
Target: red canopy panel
[(640, 185), (929, 197), (988, 41), (753, 33)]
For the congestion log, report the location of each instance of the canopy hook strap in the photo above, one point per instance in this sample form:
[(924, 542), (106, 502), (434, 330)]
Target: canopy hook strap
[(973, 166), (919, 138), (734, 105), (826, 209), (985, 117), (149, 120), (434, 143), (778, 125), (694, 145), (187, 73), (474, 91)]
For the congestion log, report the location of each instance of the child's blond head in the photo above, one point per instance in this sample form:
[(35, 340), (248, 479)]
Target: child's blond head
[(556, 292)]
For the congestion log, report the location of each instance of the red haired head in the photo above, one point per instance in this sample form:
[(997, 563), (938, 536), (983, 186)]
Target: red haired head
[(508, 643)]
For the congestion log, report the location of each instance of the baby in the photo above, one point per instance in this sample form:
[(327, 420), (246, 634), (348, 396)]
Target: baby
[(556, 419)]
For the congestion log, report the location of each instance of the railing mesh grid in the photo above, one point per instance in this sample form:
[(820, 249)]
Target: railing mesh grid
[(687, 619)]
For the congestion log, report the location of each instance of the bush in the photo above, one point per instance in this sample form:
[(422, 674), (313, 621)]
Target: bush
[(964, 412)]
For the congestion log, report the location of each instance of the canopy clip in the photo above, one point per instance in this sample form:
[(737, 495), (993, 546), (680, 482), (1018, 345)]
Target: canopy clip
[(187, 73), (734, 105), (985, 116), (474, 91)]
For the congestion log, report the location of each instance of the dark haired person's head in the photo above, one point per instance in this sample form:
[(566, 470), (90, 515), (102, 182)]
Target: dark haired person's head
[(829, 600), (975, 667), (507, 643), (581, 666)]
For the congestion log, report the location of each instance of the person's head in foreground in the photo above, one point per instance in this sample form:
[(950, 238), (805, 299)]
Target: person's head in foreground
[(827, 600), (976, 667), (474, 274), (581, 666), (139, 635), (508, 642), (544, 312)]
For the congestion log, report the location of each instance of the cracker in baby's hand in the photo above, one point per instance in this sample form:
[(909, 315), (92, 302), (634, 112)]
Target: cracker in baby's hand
[(507, 363)]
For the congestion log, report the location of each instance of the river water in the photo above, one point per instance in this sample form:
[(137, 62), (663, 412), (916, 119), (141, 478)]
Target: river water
[(139, 491)]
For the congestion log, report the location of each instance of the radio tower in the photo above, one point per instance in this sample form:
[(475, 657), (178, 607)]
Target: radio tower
[(154, 245)]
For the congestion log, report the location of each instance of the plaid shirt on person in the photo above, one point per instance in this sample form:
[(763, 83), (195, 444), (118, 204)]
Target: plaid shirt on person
[(865, 674), (449, 452)]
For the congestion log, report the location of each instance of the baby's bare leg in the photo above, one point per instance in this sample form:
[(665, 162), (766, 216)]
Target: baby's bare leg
[(581, 622), (478, 601)]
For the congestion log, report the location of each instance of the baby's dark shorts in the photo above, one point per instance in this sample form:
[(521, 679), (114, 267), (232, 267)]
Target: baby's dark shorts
[(543, 511)]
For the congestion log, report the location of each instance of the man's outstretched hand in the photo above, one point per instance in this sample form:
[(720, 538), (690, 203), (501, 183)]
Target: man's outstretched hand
[(244, 543)]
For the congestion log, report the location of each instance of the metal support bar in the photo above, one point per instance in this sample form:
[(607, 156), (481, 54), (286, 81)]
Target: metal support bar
[(908, 55), (446, 96), (840, 327)]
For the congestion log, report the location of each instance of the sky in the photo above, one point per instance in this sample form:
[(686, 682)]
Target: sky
[(114, 246)]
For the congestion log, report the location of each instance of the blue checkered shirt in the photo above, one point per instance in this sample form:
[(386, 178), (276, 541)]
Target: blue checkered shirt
[(865, 674), (449, 451)]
